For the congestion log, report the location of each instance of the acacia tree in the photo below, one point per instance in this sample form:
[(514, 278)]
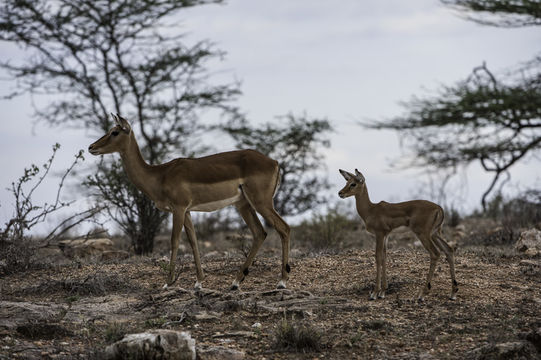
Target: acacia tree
[(295, 142), (97, 57), (501, 13), (492, 119)]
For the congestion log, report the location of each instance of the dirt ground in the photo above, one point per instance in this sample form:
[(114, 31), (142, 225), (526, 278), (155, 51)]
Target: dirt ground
[(76, 310)]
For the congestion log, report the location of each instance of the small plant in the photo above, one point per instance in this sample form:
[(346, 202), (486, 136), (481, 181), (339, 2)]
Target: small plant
[(115, 332), (155, 323), (377, 324), (164, 266), (72, 298), (298, 338)]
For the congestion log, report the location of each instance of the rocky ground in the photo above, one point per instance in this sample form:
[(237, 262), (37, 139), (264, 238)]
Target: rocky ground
[(77, 309)]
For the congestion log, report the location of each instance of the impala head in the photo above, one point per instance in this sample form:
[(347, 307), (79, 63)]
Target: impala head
[(115, 140), (355, 184)]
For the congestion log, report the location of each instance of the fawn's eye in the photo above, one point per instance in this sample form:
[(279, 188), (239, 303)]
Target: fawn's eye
[(115, 133), (353, 185)]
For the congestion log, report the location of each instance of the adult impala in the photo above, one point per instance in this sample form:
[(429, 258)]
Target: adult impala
[(246, 179), (423, 217)]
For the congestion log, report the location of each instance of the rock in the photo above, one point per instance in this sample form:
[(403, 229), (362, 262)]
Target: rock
[(295, 253), (531, 263), (212, 254), (49, 255), (529, 242), (240, 333), (504, 351), (15, 314), (82, 248), (535, 338), (154, 344), (220, 353), (114, 254), (206, 315)]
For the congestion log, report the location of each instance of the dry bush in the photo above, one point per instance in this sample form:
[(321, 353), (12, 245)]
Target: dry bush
[(328, 230), (300, 338), (15, 256), (115, 332), (523, 211), (16, 247)]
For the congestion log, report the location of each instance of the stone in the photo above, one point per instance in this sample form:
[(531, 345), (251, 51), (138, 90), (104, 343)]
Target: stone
[(529, 242), (114, 254), (220, 353), (154, 344), (534, 337), (83, 248), (504, 351), (14, 314), (532, 263), (49, 255)]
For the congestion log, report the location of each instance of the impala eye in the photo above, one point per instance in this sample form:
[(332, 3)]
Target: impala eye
[(115, 133)]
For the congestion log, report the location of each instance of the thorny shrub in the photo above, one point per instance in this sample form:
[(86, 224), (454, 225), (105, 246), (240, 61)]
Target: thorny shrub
[(16, 246)]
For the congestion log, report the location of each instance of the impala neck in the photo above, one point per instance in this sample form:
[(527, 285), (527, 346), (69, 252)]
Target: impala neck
[(364, 205), (137, 169)]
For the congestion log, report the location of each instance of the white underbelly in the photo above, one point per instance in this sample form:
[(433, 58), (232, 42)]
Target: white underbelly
[(216, 205)]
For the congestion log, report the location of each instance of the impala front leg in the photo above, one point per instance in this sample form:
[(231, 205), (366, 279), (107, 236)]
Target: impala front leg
[(178, 222), (379, 263)]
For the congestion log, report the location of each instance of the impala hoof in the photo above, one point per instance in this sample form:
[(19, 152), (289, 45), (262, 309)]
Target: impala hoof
[(234, 286), (281, 285)]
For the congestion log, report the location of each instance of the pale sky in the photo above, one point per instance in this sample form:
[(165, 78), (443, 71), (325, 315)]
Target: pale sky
[(345, 61)]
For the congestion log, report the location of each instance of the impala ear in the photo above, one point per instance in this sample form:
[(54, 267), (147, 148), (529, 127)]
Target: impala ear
[(345, 174), (359, 176), (115, 119), (124, 124)]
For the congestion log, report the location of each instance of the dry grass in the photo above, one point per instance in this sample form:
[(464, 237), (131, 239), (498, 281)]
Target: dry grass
[(327, 311)]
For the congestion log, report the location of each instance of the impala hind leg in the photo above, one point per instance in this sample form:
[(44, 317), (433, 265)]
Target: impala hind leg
[(434, 256), (190, 232), (249, 216), (263, 204), (272, 217), (450, 255), (384, 284), (178, 223)]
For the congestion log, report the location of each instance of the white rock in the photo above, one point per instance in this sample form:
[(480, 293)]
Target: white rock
[(154, 344), (529, 242)]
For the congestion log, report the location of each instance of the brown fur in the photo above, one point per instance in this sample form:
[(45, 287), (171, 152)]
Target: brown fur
[(244, 178), (423, 217)]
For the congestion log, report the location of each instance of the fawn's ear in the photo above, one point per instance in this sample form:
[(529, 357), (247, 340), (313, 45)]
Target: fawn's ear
[(115, 119), (346, 174), (124, 124), (359, 176)]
